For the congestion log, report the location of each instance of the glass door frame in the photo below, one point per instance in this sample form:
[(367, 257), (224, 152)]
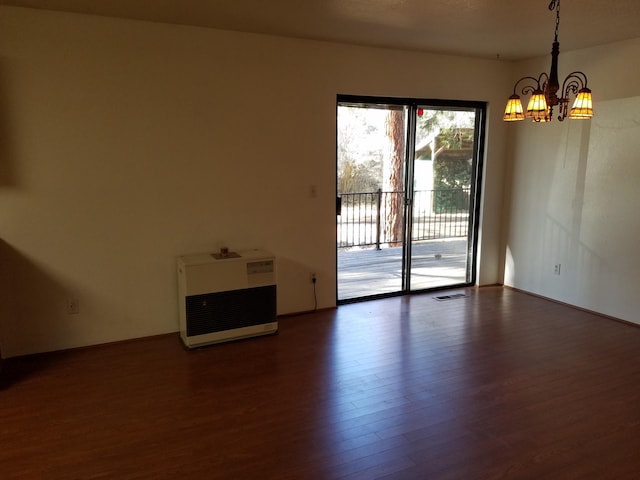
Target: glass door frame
[(412, 105)]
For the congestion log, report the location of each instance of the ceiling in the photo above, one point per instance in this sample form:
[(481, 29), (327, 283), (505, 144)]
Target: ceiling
[(510, 29)]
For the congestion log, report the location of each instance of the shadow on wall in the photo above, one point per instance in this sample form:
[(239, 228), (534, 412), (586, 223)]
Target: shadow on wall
[(564, 242), (7, 167), (32, 305)]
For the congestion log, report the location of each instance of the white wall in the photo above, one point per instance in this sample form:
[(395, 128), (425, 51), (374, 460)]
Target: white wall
[(125, 144), (575, 191)]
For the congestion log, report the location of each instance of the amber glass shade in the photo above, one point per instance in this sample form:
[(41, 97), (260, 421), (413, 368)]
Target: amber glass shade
[(540, 117), (583, 106), (513, 111), (537, 107)]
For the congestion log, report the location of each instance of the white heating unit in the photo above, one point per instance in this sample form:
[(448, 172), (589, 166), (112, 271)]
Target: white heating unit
[(227, 297)]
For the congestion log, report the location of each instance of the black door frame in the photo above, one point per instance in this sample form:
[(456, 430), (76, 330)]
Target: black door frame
[(476, 180)]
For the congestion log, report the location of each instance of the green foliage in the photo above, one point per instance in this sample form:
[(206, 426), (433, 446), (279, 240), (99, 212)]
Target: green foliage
[(452, 168), (432, 120), (452, 163)]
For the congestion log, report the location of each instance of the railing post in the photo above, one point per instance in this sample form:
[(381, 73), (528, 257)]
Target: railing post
[(378, 219)]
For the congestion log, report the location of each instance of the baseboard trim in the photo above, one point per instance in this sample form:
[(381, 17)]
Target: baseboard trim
[(582, 309), (93, 346), (305, 312)]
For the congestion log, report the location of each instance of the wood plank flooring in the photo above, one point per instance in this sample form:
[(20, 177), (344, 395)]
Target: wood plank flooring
[(496, 385)]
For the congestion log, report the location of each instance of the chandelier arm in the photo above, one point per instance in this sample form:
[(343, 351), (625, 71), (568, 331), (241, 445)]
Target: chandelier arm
[(582, 78), (543, 80), (527, 89), (569, 87), (573, 83)]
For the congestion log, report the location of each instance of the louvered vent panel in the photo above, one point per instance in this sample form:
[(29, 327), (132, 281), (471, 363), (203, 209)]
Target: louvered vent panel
[(217, 312)]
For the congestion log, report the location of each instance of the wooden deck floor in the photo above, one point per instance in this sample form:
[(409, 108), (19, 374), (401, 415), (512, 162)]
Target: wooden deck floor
[(435, 263)]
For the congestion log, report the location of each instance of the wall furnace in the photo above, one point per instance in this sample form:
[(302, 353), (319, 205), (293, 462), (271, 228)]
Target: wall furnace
[(228, 297)]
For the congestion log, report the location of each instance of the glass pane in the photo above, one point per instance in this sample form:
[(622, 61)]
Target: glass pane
[(370, 224), (443, 172)]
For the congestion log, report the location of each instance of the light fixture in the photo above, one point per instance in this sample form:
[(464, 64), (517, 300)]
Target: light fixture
[(544, 89)]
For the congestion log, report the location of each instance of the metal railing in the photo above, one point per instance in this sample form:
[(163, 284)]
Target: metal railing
[(438, 213)]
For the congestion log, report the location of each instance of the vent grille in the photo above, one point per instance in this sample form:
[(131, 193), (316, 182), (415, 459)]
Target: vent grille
[(454, 296), (220, 311)]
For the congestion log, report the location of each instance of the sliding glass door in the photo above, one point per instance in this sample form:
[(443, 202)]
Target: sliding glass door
[(407, 195)]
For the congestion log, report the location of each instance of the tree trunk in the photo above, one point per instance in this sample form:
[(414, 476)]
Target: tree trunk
[(393, 178)]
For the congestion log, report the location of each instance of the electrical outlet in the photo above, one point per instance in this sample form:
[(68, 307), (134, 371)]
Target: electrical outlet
[(556, 269), (73, 307)]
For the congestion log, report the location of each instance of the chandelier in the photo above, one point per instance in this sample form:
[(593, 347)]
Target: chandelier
[(544, 91)]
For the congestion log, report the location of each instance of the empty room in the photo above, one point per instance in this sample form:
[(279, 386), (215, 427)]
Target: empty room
[(321, 240)]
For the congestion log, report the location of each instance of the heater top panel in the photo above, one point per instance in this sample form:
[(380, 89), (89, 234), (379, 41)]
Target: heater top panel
[(203, 273), (215, 257)]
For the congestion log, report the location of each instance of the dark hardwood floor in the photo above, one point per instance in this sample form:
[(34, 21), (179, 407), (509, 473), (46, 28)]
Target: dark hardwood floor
[(497, 385)]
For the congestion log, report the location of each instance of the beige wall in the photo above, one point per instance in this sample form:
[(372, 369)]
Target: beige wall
[(575, 191), (125, 144)]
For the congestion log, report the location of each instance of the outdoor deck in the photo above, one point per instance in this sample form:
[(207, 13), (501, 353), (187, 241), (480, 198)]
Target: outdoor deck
[(435, 263)]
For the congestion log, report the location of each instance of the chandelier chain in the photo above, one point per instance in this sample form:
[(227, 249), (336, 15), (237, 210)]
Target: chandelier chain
[(555, 5)]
